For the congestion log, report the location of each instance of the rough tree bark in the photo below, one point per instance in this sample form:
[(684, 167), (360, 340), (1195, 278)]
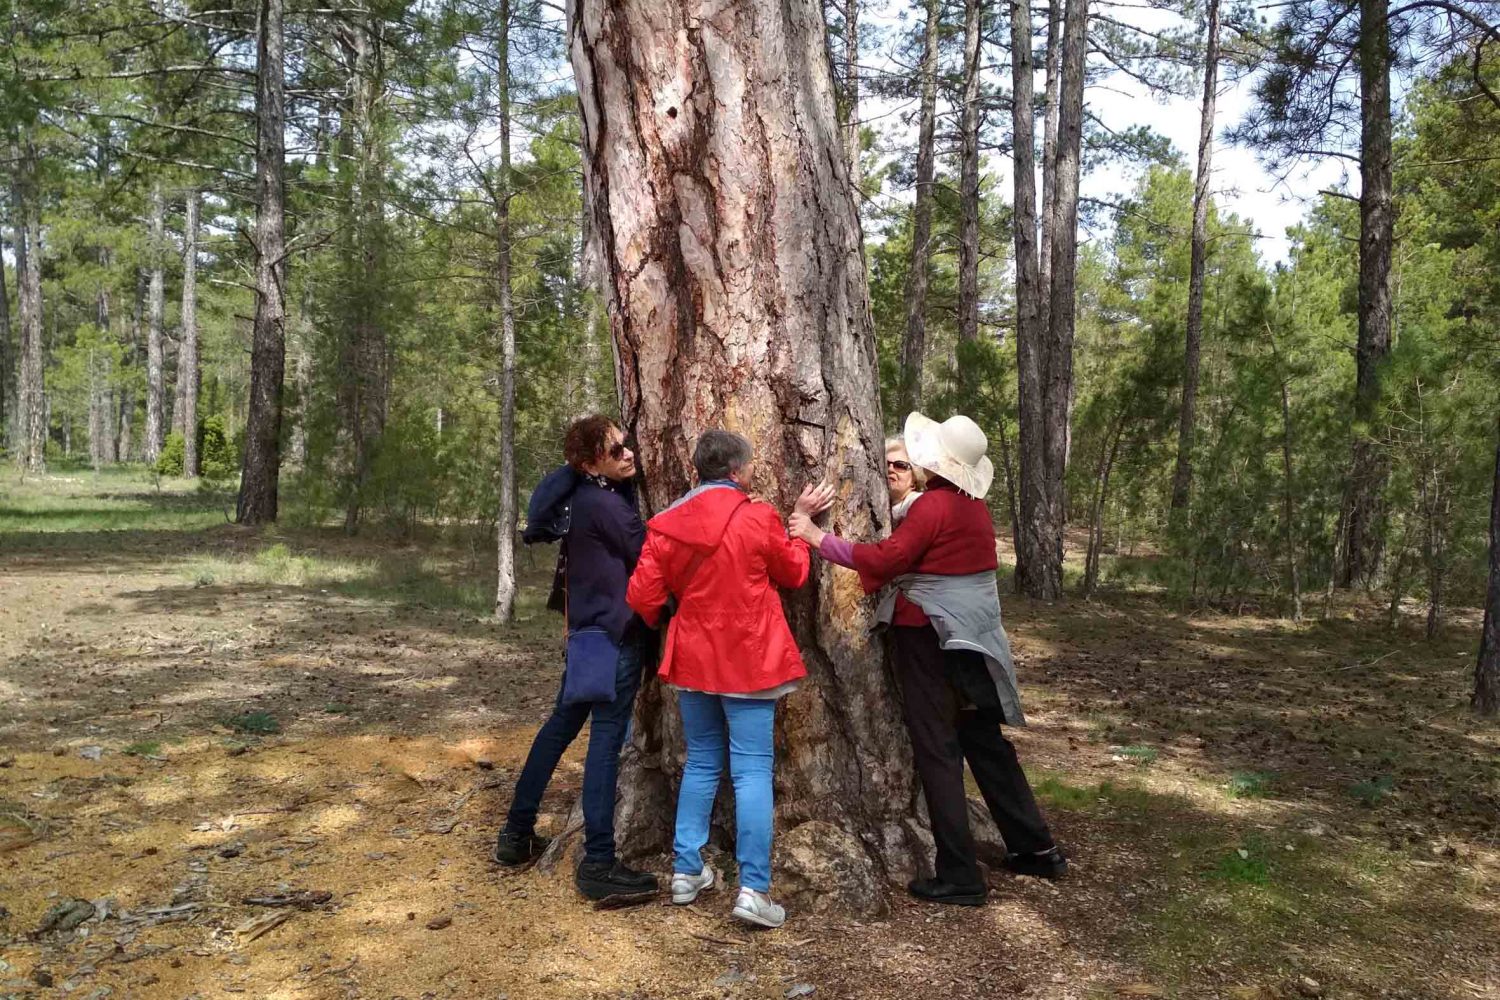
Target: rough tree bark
[(1376, 234), (187, 355), (968, 244), (123, 426), (1182, 478), (1486, 699), (914, 344), (155, 311), (505, 562), (260, 470), (737, 299)]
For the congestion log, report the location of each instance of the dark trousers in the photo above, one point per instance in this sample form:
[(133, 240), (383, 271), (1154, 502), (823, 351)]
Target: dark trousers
[(945, 733), (601, 767)]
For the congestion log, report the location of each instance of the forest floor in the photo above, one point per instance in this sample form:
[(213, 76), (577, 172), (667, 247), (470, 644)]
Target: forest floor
[(195, 715)]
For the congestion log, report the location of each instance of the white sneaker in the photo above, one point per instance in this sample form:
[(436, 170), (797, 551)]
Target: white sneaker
[(685, 888), (755, 907)]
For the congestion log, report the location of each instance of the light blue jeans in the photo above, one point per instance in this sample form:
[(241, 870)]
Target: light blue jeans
[(713, 725)]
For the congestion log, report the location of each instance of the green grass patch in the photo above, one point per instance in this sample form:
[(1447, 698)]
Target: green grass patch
[(1249, 784), (119, 499), (1243, 866), (337, 708), (1371, 792), (1058, 792), (1140, 753), (143, 748), (1060, 795), (254, 723)]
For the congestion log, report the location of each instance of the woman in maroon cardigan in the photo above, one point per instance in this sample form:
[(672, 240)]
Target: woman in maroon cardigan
[(952, 658)]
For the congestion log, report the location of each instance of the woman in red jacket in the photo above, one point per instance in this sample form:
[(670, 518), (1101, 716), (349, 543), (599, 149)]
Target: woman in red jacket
[(729, 654)]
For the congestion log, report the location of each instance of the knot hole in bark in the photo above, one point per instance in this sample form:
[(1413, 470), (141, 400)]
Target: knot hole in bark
[(671, 112)]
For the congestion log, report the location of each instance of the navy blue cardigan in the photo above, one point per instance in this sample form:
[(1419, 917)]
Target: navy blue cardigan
[(602, 535)]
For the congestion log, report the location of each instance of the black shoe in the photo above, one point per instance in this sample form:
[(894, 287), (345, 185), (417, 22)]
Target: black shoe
[(1042, 864), (513, 849), (599, 880), (935, 890)]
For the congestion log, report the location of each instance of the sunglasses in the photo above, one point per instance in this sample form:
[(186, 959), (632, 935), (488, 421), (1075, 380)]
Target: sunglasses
[(899, 465), (617, 450)]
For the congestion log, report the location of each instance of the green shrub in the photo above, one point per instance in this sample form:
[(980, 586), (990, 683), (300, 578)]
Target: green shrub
[(216, 458), (173, 455)]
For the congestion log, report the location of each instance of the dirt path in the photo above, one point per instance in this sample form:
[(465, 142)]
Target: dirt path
[(1255, 810)]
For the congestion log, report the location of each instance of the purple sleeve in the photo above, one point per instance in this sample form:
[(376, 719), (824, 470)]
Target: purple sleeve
[(837, 550)]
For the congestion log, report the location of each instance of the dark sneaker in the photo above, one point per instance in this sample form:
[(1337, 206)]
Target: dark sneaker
[(599, 880), (1042, 864), (935, 890), (513, 849)]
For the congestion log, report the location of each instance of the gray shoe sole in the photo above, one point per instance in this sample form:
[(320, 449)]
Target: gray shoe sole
[(684, 898), (751, 917)]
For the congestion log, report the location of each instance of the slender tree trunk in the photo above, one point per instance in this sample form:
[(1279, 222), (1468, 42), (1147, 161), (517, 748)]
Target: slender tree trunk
[(1030, 529), (1486, 699), (9, 373), (1376, 233), (260, 471), (914, 346), (108, 453), (1096, 514), (187, 356), (505, 568), (367, 373), (715, 168), (124, 445), (26, 217), (155, 310), (1008, 466), (853, 147), (1182, 479), (1051, 112), (968, 244), (1288, 499), (1057, 372)]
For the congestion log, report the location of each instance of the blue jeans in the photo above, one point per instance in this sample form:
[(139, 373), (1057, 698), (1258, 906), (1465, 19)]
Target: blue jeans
[(601, 768), (713, 724)]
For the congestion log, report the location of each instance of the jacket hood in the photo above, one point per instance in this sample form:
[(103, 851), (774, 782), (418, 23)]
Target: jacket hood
[(699, 521)]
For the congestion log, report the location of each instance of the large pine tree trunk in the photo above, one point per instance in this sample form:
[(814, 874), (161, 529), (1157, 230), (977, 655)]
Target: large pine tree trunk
[(1182, 478), (719, 184), (260, 471), (968, 243), (1376, 233), (914, 346), (155, 311), (1487, 666), (187, 355), (505, 562), (1029, 527)]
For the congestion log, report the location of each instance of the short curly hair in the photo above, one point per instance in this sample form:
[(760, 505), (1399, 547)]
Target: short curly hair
[(586, 439)]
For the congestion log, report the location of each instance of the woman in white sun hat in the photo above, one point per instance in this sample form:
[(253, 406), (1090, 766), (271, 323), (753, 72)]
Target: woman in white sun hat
[(952, 658)]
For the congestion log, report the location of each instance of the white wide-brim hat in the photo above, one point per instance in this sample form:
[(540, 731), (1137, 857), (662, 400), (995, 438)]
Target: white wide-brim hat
[(953, 449)]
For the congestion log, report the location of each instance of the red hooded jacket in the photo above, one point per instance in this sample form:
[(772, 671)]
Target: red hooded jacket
[(723, 556)]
